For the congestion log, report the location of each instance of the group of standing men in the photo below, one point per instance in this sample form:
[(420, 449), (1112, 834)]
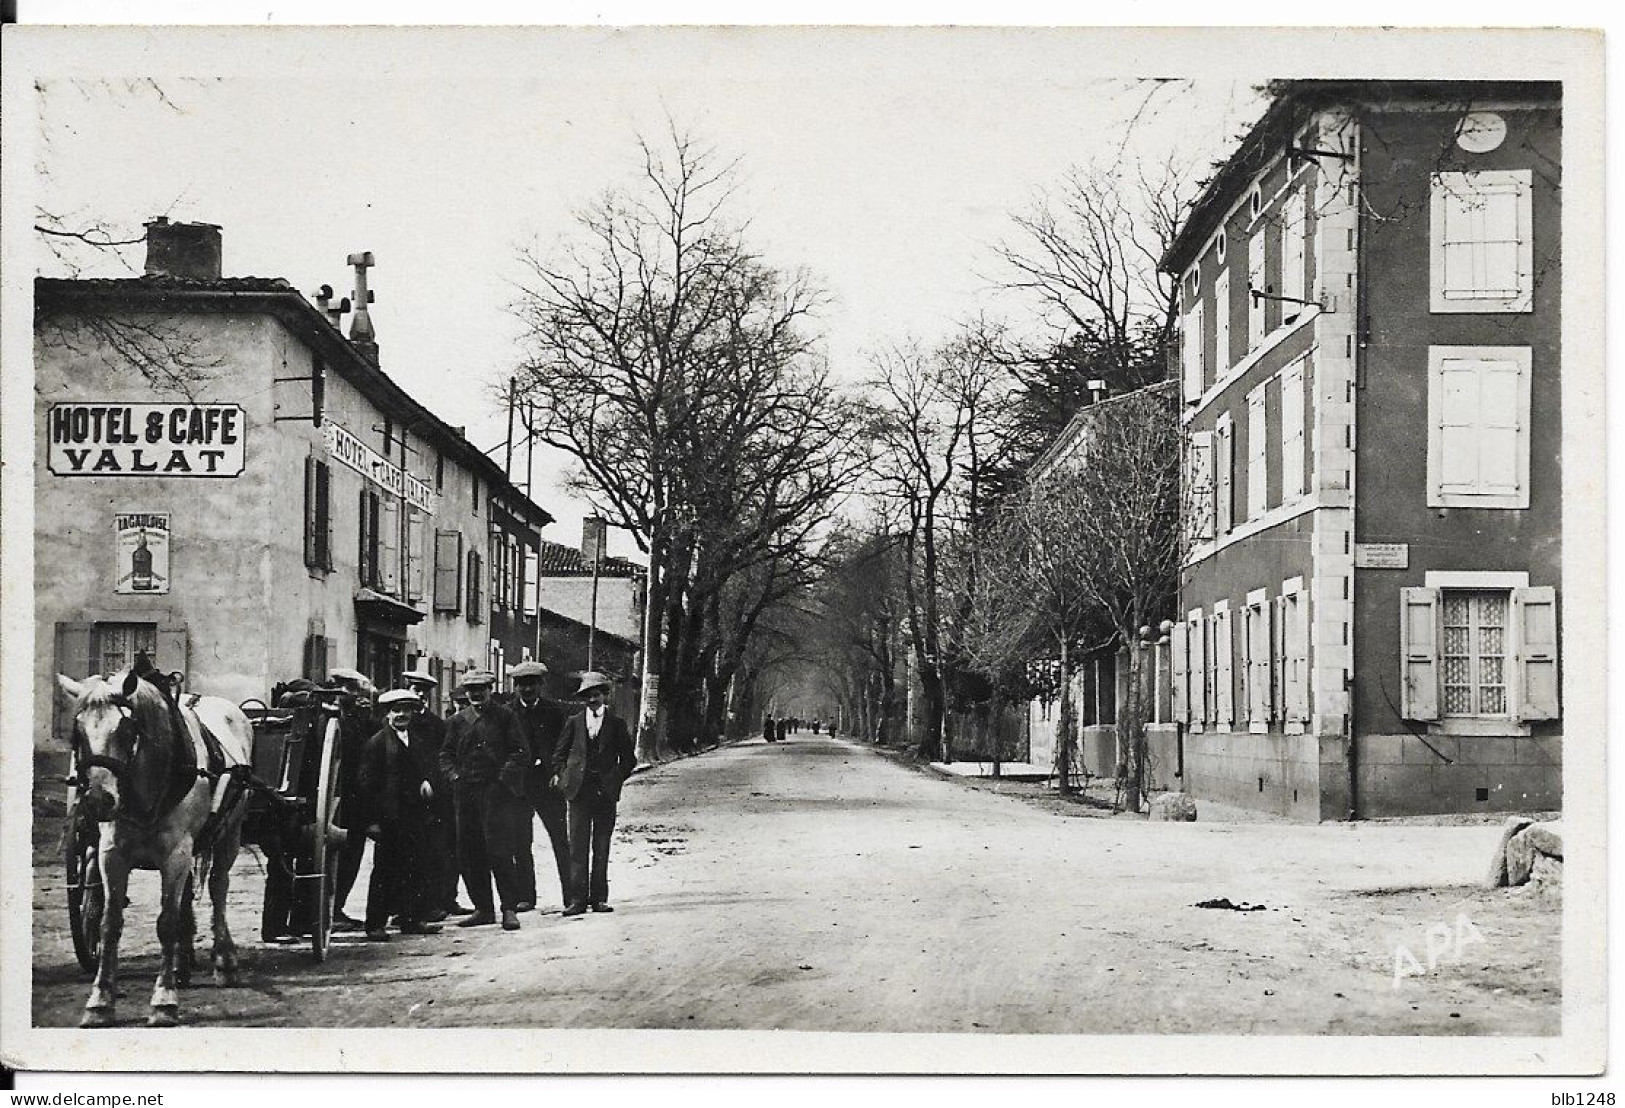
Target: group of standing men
[(447, 798)]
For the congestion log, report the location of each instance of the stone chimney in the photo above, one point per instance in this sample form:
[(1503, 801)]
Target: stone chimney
[(361, 332), (187, 250), (593, 533)]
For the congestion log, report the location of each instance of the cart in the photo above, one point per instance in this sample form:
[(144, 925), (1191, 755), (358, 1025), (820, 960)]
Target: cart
[(292, 814)]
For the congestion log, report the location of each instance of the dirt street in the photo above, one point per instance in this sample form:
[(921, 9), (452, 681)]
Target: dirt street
[(817, 885)]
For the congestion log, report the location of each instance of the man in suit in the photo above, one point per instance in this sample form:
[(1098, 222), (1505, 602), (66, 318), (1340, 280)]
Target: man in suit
[(594, 756), (356, 724), (395, 783), (541, 720), (485, 758), (440, 870)]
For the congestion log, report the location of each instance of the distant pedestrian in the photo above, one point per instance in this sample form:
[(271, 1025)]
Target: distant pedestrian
[(593, 758), (770, 730), (395, 777), (485, 757)]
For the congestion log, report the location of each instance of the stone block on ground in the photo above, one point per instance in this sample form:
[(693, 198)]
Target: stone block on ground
[(1520, 858), (1497, 876), (1546, 875), (1174, 808), (1546, 838)]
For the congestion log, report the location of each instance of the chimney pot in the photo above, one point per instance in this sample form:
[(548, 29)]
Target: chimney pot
[(187, 250)]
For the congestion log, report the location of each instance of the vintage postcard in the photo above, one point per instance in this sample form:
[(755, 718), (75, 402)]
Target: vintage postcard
[(803, 550)]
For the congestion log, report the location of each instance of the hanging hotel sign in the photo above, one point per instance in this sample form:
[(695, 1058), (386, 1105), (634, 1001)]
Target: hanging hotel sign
[(145, 440), (357, 455), (142, 552)]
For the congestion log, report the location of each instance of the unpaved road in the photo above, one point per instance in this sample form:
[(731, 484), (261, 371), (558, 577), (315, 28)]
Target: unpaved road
[(816, 885)]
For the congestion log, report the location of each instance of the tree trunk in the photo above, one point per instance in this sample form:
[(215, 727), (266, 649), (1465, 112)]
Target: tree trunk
[(1131, 727), (650, 741)]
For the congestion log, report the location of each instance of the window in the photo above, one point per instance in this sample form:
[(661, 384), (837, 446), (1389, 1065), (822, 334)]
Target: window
[(448, 567), (1224, 465), (1292, 650), (1292, 419), (474, 486), (367, 546), (1190, 671), (1255, 202), (439, 472), (1256, 283), (1199, 486), (1478, 426), (1221, 323), (1479, 653), (389, 544), (533, 574), (117, 644), (1219, 244), (1191, 351), (416, 535), (475, 586), (499, 576), (1258, 438), (516, 579), (1294, 276), (1482, 246), (318, 515)]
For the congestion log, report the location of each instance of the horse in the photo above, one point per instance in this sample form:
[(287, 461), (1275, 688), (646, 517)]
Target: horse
[(143, 772)]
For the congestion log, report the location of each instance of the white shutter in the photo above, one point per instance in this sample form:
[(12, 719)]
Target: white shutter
[(1419, 653), (1199, 669), (1221, 324), (1296, 641), (1535, 624), (1292, 433), (1199, 486), (533, 574), (1179, 646), (1191, 350), (1258, 707), (415, 531), (1293, 277), (1224, 652), (1478, 449), (1279, 662), (1256, 282), (389, 544), (1224, 465), (1482, 246), (1257, 454)]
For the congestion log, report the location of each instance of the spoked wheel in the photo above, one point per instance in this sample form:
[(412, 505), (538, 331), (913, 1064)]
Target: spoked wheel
[(86, 896), (325, 853)]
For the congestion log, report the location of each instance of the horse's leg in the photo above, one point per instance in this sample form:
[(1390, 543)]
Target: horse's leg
[(115, 877), (224, 951), (185, 955), (177, 868)]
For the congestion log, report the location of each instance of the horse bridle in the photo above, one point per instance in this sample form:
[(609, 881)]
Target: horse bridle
[(84, 760)]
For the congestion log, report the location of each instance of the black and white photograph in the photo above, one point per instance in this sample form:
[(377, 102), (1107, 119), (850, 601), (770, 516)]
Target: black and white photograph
[(817, 549)]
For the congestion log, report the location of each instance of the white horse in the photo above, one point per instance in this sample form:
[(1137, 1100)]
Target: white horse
[(146, 781)]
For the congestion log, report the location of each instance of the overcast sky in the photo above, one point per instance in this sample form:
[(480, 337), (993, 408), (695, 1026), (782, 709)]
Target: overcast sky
[(883, 161)]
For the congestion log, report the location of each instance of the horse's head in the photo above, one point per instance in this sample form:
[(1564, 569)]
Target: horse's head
[(111, 721)]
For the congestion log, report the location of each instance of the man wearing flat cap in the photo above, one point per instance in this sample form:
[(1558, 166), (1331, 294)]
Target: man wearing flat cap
[(395, 781), (541, 719), (428, 732), (593, 757), (356, 724), (485, 758)]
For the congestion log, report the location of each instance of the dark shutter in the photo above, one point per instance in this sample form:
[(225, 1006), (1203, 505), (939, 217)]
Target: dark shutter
[(474, 587), (324, 516), (310, 511), (448, 565)]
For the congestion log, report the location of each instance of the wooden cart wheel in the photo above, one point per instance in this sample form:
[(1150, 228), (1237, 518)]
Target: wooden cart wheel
[(86, 897), (324, 860)]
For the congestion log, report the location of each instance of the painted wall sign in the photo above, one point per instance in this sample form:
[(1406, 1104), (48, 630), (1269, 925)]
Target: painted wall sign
[(145, 440), (142, 552), (357, 455), (1382, 555)]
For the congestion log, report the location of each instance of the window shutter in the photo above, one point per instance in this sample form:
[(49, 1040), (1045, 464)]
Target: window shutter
[(448, 564), (1419, 652), (1224, 464), (415, 530), (72, 660), (1179, 651), (1258, 709), (1255, 283), (324, 516), (533, 572), (1536, 616), (1191, 351), (1297, 645), (476, 590), (170, 653), (1199, 670), (1199, 487), (1292, 433), (310, 512), (1221, 324), (1293, 276), (389, 544), (1279, 663), (1257, 454), (1224, 652), (363, 558)]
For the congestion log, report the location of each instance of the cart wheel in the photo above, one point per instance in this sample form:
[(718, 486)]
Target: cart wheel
[(324, 861), (86, 896)]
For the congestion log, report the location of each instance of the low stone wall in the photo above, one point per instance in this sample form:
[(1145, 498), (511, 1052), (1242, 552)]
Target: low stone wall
[(1270, 772), (1401, 775)]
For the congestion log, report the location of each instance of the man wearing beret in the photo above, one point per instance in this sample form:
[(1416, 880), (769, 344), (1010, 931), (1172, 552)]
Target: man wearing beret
[(593, 757), (485, 758), (541, 720), (395, 777)]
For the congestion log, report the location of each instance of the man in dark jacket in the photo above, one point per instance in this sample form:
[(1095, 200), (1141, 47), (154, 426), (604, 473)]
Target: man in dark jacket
[(593, 757), (541, 720), (485, 758), (441, 869), (395, 783), (356, 724)]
